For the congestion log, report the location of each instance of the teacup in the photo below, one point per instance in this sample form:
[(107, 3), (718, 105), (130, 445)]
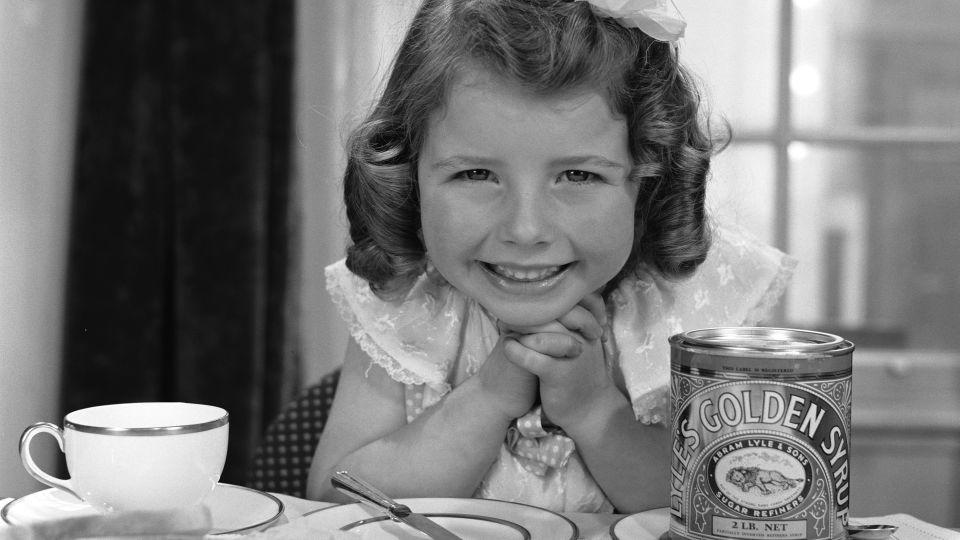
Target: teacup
[(137, 456)]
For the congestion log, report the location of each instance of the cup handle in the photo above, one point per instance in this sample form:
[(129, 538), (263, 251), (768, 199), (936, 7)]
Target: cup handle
[(31, 466)]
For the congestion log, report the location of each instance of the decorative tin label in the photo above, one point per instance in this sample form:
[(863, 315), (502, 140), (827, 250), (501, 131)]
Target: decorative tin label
[(758, 457)]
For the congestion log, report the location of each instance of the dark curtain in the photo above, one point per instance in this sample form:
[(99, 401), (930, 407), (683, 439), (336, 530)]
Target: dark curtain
[(178, 283)]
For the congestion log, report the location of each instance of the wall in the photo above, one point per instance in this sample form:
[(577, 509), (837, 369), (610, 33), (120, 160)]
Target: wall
[(39, 55), (905, 449), (344, 48)]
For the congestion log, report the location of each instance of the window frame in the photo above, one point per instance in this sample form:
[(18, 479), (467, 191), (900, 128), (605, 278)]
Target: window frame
[(783, 133)]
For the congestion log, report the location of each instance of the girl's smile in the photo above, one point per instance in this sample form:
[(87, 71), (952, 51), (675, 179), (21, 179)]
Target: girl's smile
[(524, 274), (526, 205), (529, 280)]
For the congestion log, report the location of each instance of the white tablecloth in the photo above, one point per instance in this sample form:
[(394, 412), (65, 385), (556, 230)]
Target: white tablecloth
[(591, 526), (597, 526)]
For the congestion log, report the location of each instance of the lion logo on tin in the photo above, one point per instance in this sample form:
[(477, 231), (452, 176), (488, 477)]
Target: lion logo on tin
[(759, 476), (767, 481)]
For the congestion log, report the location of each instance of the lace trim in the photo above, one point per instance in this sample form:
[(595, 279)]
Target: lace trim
[(652, 407), (377, 355), (771, 297)]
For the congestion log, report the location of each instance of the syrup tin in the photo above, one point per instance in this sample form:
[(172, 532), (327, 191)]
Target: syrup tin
[(761, 434)]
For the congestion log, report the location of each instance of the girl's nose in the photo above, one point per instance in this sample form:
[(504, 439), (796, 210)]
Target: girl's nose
[(527, 219)]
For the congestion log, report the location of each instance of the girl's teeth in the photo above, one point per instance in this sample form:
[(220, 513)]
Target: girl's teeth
[(526, 275)]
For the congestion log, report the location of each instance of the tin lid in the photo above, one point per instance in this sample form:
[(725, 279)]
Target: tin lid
[(782, 340)]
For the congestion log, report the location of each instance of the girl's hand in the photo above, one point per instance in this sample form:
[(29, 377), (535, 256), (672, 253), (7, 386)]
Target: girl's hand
[(572, 382), (512, 389)]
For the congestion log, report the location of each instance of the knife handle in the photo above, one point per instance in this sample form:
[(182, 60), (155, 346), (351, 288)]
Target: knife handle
[(356, 488)]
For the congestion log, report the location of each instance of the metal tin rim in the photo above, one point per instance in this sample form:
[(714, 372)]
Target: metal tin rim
[(761, 338)]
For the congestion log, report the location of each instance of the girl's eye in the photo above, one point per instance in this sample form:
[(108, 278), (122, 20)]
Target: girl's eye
[(474, 175), (579, 177)]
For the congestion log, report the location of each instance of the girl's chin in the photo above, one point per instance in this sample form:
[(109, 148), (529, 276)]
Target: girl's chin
[(527, 318)]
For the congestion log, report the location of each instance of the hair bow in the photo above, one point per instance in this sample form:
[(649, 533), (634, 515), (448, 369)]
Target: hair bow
[(659, 19)]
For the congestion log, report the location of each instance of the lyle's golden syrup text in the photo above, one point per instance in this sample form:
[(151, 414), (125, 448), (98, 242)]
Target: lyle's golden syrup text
[(761, 438)]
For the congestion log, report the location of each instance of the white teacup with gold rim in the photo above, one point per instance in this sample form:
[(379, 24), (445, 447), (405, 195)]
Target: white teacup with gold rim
[(137, 456)]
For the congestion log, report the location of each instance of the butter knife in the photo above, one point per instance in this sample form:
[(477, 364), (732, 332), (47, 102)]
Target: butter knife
[(361, 491)]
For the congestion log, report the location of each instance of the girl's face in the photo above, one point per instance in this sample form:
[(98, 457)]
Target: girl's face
[(525, 202)]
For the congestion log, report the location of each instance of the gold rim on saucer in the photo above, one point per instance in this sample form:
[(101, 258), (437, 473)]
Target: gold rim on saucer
[(515, 526), (257, 526), (570, 526), (245, 528)]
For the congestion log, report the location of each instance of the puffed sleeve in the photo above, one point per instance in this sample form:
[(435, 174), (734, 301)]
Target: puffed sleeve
[(410, 338), (737, 285)]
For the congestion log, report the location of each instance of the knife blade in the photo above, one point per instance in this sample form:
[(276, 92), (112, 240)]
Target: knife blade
[(422, 523), (362, 491)]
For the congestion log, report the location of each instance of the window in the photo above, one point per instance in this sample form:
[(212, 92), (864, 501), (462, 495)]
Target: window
[(846, 154)]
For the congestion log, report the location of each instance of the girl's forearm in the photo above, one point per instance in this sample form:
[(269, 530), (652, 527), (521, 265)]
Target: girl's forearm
[(629, 460), (444, 452)]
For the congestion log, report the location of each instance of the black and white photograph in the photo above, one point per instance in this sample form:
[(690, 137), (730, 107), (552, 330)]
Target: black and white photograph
[(480, 269)]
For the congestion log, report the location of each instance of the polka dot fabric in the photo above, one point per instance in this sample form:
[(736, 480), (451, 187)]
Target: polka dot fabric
[(282, 461)]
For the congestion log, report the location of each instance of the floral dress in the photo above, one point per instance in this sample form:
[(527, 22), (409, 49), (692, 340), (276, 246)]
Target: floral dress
[(435, 338)]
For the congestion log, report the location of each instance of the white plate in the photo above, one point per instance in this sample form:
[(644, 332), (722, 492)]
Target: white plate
[(649, 525), (234, 509), (467, 518)]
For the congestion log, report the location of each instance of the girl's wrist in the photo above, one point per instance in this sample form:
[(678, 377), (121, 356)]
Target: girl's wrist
[(589, 417), (487, 404)]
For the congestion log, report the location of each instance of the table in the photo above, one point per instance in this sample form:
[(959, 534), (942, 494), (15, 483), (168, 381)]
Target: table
[(597, 526), (591, 526)]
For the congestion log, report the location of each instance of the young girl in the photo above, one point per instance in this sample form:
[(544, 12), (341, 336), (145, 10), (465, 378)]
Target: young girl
[(526, 205)]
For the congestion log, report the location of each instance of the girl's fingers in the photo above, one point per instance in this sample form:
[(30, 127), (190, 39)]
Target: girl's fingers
[(594, 303), (527, 358), (582, 320), (552, 326), (556, 345)]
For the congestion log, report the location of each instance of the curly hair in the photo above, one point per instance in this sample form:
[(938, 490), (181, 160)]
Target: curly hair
[(546, 47)]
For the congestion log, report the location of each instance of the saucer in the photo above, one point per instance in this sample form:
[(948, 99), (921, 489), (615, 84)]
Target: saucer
[(649, 525), (234, 509), (467, 518)]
